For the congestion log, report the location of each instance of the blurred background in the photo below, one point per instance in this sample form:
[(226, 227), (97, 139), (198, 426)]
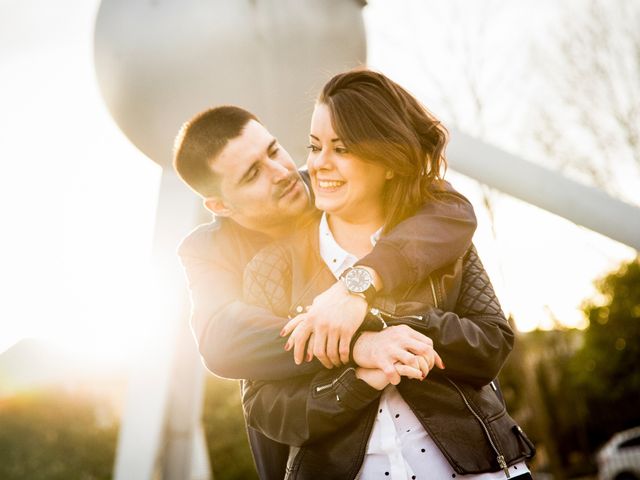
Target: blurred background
[(555, 83)]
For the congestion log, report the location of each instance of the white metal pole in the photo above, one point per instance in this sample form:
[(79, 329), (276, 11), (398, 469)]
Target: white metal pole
[(544, 188)]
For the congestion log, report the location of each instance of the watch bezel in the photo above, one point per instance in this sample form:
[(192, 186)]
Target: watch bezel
[(369, 290)]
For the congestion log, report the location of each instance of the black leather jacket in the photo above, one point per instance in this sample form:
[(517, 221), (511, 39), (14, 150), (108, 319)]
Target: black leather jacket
[(330, 414)]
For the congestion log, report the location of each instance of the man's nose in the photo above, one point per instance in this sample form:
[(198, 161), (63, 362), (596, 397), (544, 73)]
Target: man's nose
[(279, 172)]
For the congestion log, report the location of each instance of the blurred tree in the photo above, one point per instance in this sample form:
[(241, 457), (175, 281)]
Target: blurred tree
[(592, 83), (604, 373), (54, 435), (583, 386), (225, 431)]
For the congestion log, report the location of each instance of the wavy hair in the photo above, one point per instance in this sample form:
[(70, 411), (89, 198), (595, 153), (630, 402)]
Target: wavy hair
[(380, 122)]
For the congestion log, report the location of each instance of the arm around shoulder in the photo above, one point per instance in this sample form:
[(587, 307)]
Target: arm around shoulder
[(437, 235)]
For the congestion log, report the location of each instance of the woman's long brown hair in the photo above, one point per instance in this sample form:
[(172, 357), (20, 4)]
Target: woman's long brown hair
[(380, 122)]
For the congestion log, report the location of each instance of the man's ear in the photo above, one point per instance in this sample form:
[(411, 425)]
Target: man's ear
[(217, 206)]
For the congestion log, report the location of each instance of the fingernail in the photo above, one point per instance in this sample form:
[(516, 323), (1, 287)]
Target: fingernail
[(287, 347), (309, 357), (282, 332)]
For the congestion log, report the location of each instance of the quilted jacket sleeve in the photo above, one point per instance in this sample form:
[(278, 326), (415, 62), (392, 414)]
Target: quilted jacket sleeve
[(475, 339), (267, 280)]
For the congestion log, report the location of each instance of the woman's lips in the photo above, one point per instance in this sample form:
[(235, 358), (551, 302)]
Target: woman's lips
[(329, 185)]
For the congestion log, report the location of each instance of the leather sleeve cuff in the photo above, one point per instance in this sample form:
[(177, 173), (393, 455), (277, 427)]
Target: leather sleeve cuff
[(391, 265), (354, 393)]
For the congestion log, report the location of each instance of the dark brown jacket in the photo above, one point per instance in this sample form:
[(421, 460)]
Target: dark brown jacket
[(330, 414)]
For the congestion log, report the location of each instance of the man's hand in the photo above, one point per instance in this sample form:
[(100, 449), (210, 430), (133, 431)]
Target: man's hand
[(327, 326), (395, 345), (379, 380)]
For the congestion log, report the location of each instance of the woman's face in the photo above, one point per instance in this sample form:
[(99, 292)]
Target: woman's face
[(344, 185)]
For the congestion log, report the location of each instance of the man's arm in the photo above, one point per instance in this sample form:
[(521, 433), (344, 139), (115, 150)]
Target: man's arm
[(436, 236), (239, 343), (235, 340)]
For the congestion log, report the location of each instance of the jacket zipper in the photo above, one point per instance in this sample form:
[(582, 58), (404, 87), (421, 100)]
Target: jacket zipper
[(326, 386), (499, 457), (433, 292)]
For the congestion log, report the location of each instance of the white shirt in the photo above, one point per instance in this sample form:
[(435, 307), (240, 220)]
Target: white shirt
[(399, 447)]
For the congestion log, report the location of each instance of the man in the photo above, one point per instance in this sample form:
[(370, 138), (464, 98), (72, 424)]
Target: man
[(252, 186)]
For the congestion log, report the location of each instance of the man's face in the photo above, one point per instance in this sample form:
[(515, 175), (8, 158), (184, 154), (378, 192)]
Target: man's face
[(259, 183)]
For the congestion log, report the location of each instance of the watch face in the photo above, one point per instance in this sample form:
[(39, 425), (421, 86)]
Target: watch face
[(357, 280)]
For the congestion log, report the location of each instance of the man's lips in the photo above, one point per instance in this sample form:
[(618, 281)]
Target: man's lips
[(288, 188)]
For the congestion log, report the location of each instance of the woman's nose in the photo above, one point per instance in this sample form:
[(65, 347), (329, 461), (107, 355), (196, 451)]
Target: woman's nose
[(319, 161)]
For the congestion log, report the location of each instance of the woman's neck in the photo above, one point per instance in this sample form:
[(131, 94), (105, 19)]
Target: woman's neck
[(354, 236)]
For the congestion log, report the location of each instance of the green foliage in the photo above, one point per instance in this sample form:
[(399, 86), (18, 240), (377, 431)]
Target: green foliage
[(225, 431), (604, 373), (573, 389), (54, 435)]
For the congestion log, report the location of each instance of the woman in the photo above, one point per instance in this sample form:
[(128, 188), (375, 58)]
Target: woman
[(375, 154)]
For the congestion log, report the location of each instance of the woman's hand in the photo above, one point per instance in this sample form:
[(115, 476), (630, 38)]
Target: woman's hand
[(326, 328), (395, 345), (378, 379)]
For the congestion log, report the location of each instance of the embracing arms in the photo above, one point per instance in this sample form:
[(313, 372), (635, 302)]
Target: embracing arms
[(240, 341), (474, 342)]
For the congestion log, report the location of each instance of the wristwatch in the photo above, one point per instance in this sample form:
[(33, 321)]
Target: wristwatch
[(359, 281)]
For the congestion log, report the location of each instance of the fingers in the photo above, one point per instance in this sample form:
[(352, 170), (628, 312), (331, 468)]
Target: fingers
[(390, 372), (299, 338), (320, 348), (439, 363), (409, 372), (309, 354), (343, 348), (333, 339), (292, 324), (423, 364)]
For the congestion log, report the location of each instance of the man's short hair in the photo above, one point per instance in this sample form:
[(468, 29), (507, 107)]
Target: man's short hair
[(201, 140)]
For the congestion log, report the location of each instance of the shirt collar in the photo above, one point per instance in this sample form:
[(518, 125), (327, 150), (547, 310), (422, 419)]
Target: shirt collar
[(336, 257)]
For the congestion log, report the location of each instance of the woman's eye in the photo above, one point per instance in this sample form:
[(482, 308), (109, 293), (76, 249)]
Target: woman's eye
[(341, 150), (313, 148), (274, 152)]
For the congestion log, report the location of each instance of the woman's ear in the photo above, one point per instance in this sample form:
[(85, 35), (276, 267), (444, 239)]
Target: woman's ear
[(389, 174)]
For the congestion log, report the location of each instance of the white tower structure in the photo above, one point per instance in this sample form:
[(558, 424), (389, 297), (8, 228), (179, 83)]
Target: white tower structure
[(159, 63)]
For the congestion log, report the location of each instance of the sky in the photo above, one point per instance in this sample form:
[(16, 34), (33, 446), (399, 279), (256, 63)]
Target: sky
[(78, 200)]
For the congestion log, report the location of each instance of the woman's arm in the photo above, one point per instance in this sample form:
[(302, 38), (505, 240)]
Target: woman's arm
[(475, 339)]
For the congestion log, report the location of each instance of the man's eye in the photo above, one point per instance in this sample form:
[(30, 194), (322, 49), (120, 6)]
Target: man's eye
[(253, 174), (313, 148), (274, 152)]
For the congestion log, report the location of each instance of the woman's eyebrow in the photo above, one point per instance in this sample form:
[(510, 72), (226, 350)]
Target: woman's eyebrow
[(332, 140)]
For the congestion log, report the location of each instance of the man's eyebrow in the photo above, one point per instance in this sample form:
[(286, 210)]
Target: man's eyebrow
[(333, 140)]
